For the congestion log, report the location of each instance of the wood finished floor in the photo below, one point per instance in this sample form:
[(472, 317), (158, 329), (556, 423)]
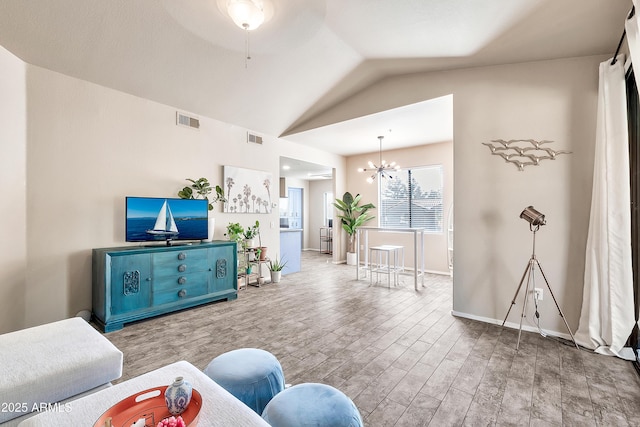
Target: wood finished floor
[(398, 354)]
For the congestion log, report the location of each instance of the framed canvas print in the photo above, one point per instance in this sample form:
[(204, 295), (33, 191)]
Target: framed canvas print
[(248, 190)]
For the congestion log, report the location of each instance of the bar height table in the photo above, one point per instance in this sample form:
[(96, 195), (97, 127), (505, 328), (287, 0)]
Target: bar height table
[(362, 234)]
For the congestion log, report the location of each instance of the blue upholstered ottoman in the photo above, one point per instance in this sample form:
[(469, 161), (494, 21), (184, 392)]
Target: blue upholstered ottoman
[(252, 375), (311, 404)]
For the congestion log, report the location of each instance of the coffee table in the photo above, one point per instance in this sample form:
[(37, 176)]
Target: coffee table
[(219, 407)]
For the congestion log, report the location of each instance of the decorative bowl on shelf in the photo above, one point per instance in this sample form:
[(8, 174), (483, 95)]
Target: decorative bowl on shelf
[(150, 405)]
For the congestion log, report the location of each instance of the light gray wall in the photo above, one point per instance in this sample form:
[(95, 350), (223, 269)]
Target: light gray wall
[(553, 100), (13, 203)]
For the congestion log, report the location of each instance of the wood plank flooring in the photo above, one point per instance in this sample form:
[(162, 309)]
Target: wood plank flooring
[(398, 354)]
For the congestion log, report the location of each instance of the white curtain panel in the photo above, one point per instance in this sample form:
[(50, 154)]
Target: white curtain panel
[(607, 317)]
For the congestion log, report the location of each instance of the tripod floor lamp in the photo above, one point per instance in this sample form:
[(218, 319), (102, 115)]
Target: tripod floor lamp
[(535, 220)]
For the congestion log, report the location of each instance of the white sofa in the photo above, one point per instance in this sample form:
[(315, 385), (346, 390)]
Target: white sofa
[(52, 363)]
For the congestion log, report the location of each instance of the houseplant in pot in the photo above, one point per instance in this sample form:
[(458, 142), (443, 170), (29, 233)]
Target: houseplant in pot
[(275, 267), (353, 216), (201, 189), (262, 250), (235, 232), (250, 233)]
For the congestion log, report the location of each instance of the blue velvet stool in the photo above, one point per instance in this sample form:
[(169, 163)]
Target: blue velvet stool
[(311, 404), (252, 375)]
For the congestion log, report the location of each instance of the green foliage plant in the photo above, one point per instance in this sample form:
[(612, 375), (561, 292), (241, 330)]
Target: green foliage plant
[(353, 215), (252, 231), (235, 231), (276, 264), (201, 189)]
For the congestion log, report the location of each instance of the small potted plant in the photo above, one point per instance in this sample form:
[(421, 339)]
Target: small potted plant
[(201, 189), (250, 233), (275, 267), (262, 250), (235, 232)]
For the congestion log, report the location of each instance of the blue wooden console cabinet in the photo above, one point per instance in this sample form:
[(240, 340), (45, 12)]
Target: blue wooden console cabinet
[(135, 282)]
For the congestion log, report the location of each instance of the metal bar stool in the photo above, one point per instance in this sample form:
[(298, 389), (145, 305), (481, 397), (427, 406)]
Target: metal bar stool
[(386, 259)]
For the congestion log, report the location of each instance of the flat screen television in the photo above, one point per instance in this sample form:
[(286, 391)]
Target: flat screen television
[(152, 219)]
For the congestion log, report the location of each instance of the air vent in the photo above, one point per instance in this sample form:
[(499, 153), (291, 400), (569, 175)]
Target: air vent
[(184, 120), (256, 139)]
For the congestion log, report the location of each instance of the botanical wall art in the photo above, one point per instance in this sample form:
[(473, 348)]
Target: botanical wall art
[(248, 190), (523, 152)]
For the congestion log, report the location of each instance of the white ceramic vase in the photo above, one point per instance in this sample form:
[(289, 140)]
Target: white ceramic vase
[(276, 276), (211, 224), (351, 258)]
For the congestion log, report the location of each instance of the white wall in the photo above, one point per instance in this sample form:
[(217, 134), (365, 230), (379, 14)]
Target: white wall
[(553, 100), (316, 210), (87, 148), (13, 187), (435, 250)]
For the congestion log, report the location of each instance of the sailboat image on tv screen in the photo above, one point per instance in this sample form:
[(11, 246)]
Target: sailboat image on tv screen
[(165, 224)]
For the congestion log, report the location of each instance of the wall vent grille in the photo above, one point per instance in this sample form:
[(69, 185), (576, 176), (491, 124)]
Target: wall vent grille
[(183, 119), (256, 139)]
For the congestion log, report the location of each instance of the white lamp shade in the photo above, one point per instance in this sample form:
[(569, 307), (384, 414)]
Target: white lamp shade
[(245, 13)]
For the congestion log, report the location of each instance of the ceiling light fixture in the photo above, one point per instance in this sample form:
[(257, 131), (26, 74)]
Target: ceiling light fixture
[(383, 169), (248, 15)]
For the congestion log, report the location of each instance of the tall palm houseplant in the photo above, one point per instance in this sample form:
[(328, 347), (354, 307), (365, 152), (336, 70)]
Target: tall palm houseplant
[(353, 216)]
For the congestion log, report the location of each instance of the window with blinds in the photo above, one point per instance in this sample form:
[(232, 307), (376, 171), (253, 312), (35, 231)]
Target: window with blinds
[(412, 199)]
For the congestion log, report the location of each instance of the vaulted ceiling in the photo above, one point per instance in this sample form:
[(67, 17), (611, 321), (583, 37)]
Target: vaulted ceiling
[(308, 57)]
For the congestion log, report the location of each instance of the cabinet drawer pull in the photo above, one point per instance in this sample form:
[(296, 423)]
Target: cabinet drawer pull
[(182, 280), (182, 256), (182, 293), (182, 268)]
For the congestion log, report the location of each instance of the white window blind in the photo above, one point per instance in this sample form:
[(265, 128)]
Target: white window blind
[(412, 199)]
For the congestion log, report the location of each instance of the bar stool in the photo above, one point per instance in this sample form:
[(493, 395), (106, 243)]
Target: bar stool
[(389, 260)]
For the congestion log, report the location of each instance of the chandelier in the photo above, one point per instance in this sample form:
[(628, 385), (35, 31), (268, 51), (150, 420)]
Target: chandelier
[(383, 169)]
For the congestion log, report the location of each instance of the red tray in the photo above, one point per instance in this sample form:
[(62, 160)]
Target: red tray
[(149, 404)]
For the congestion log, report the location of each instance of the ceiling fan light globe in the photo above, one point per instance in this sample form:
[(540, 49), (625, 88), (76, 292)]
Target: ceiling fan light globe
[(245, 14)]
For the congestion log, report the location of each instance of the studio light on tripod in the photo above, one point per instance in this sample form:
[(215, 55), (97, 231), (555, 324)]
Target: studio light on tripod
[(535, 220), (533, 217)]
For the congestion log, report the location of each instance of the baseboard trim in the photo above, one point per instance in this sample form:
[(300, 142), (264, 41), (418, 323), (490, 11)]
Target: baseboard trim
[(511, 325), (439, 273)]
